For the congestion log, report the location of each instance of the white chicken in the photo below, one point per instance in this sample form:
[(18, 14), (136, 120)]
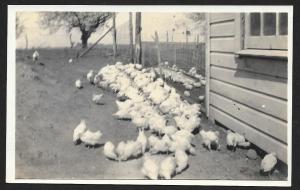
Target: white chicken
[(70, 60), (157, 123), (78, 84), (35, 56), (91, 139), (130, 149), (210, 138), (167, 167), (158, 95), (268, 163), (142, 139), (171, 102), (90, 76), (188, 86), (97, 99), (234, 139), (197, 84), (120, 149), (157, 145), (109, 150), (181, 160), (150, 167), (201, 98), (187, 93), (79, 131), (169, 130)]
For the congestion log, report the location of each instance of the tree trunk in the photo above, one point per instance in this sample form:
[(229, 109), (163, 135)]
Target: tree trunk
[(84, 39)]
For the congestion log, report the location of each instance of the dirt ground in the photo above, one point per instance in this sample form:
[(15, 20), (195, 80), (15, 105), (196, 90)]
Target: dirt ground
[(49, 107)]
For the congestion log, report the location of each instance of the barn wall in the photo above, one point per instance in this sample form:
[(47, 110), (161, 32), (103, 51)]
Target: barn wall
[(247, 95)]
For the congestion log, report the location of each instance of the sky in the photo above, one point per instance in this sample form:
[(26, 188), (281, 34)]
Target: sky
[(151, 22)]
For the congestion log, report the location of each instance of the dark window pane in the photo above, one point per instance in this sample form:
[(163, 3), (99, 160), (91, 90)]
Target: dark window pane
[(283, 19), (254, 24), (269, 24)]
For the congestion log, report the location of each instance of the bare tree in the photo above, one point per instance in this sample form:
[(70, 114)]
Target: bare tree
[(199, 18), (86, 22), (19, 26)]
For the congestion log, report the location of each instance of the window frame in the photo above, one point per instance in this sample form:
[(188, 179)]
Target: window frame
[(275, 42)]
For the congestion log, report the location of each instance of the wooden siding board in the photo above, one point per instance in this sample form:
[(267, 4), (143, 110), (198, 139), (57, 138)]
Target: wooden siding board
[(263, 122), (261, 140), (276, 68), (223, 29), (218, 17), (223, 45), (269, 85), (261, 102)]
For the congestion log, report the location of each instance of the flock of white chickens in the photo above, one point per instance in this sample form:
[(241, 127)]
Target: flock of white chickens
[(151, 104)]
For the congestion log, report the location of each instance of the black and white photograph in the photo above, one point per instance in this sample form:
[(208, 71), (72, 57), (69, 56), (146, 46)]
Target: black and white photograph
[(196, 95)]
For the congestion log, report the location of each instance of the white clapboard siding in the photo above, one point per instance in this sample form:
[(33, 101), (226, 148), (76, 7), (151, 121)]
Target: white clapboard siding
[(262, 140), (264, 103), (221, 17), (246, 94), (222, 30), (261, 83), (260, 121), (275, 68), (223, 45)]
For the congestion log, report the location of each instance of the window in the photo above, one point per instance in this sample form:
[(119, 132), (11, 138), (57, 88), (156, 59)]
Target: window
[(266, 31)]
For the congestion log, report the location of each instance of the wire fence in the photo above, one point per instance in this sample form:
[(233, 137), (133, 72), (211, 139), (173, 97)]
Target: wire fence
[(182, 49), (184, 55)]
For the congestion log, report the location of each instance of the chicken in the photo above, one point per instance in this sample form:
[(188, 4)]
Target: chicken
[(187, 122), (268, 163), (187, 93), (120, 148), (188, 86), (201, 98), (158, 95), (210, 138), (157, 145), (90, 138), (78, 84), (142, 139), (197, 84), (35, 56), (97, 98), (234, 139), (109, 150), (157, 123), (171, 102), (132, 149), (150, 168), (138, 66), (124, 105), (90, 76), (167, 167), (79, 131), (70, 60), (182, 141), (181, 160), (169, 130), (231, 140)]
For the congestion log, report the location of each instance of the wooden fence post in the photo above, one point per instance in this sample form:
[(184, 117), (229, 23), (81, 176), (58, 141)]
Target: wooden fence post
[(167, 38), (158, 52), (26, 42), (131, 38), (138, 40), (114, 36)]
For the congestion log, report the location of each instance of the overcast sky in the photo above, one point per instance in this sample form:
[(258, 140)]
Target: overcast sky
[(151, 22)]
